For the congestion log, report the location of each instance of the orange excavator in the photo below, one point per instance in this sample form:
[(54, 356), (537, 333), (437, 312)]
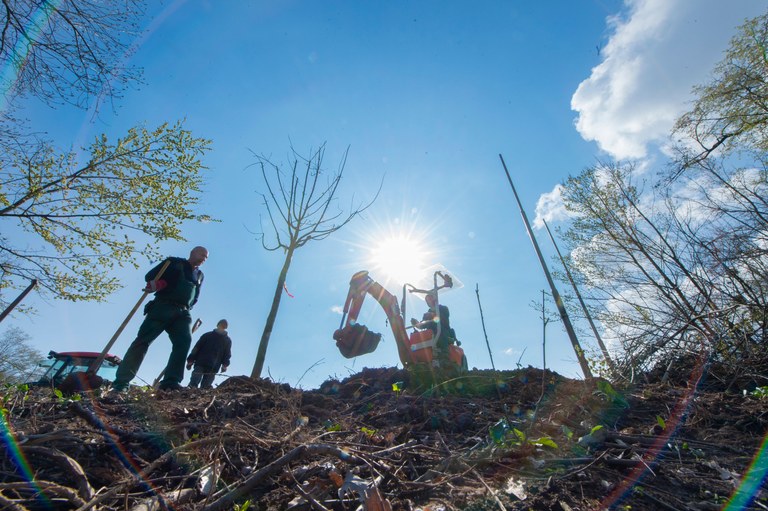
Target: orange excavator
[(416, 350)]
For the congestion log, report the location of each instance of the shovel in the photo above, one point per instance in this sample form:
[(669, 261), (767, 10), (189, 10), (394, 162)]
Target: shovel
[(89, 380)]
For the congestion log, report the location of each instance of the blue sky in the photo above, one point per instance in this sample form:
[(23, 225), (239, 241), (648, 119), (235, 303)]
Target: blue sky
[(425, 95)]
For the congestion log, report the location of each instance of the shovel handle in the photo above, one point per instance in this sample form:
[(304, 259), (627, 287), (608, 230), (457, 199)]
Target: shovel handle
[(96, 364)]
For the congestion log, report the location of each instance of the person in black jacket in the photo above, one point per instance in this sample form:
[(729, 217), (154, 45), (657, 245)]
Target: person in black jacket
[(211, 353), (437, 319), (176, 292)]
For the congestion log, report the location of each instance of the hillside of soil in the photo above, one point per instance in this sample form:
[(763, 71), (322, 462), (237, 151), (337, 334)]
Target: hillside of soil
[(512, 440)]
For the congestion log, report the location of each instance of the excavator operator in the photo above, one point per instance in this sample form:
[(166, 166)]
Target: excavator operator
[(437, 316)]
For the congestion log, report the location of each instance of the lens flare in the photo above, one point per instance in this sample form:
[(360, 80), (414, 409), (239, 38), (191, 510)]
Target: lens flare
[(399, 258)]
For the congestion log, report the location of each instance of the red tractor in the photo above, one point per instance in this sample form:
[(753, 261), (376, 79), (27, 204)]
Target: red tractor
[(417, 350), (66, 364)]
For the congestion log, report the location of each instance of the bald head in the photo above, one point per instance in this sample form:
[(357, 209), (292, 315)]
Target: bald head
[(197, 256)]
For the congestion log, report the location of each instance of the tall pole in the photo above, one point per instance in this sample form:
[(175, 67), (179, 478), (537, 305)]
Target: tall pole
[(555, 295), (581, 302), (18, 300), (544, 323), (482, 321)]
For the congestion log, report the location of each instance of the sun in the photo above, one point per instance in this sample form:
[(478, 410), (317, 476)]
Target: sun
[(398, 258)]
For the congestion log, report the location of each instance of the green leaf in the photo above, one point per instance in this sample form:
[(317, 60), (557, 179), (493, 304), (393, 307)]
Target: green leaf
[(544, 441)]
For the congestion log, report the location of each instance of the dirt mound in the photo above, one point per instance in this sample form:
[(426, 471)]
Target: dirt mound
[(526, 439)]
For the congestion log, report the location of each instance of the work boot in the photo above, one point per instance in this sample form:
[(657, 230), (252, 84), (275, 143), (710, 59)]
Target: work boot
[(116, 395), (169, 386)]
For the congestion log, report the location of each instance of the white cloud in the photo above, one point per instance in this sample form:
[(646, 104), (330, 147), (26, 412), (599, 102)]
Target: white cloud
[(338, 309), (550, 208), (651, 61)]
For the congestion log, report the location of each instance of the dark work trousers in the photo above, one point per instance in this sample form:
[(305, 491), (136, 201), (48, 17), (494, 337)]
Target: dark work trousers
[(161, 317), (203, 376)]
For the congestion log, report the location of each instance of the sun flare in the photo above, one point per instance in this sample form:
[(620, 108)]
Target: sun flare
[(398, 258)]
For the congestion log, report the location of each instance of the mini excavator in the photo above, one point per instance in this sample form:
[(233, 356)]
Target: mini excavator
[(417, 353)]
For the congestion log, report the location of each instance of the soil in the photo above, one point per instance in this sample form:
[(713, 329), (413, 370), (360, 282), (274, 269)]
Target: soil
[(512, 440)]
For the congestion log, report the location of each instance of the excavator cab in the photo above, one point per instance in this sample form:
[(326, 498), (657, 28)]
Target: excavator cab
[(65, 363), (416, 349)]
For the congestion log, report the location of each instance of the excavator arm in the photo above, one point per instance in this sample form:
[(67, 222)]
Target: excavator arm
[(354, 339)]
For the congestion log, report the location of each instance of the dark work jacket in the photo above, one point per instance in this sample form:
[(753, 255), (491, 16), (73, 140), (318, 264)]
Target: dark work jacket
[(212, 350), (445, 321), (183, 282)]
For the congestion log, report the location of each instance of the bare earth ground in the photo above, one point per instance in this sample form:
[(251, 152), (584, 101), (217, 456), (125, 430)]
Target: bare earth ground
[(514, 440)]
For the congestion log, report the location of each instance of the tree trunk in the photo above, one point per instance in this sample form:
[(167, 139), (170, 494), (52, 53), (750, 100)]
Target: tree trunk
[(262, 353)]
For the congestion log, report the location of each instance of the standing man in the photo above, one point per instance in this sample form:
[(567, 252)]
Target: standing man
[(176, 292), (211, 352)]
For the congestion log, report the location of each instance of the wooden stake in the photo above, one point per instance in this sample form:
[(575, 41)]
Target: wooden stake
[(555, 295)]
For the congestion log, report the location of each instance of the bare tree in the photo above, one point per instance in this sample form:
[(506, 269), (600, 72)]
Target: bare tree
[(299, 206), (70, 51), (17, 358), (637, 264), (677, 270), (679, 267)]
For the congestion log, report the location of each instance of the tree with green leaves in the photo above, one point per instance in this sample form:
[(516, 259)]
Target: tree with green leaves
[(730, 113), (68, 217), (301, 208), (67, 223)]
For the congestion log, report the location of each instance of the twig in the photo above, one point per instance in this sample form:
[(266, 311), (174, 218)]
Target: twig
[(255, 479), (308, 370), (156, 504), (493, 493), (191, 445), (205, 410), (71, 466), (641, 460), (48, 487), (101, 498), (658, 502), (401, 447), (585, 467), (11, 505), (474, 472), (257, 439), (309, 498)]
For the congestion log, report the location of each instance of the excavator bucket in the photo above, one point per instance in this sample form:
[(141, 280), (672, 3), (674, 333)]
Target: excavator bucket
[(355, 340)]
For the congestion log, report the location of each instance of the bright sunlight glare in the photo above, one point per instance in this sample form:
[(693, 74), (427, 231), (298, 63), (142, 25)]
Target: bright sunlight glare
[(399, 259)]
